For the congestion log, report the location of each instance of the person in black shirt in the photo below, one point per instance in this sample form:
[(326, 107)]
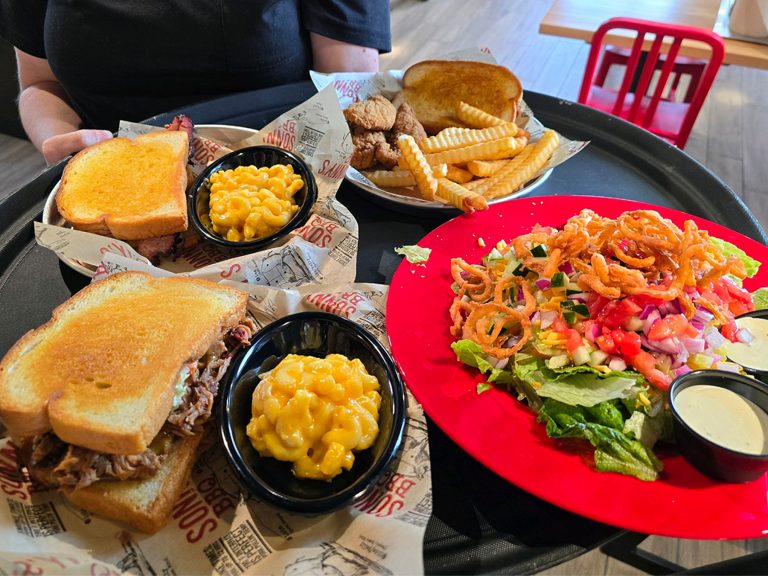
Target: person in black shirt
[(85, 65)]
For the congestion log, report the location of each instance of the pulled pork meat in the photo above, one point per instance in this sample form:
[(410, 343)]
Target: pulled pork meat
[(203, 382), (56, 464)]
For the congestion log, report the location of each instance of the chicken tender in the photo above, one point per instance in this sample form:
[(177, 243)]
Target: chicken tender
[(374, 113), (366, 143), (407, 123)]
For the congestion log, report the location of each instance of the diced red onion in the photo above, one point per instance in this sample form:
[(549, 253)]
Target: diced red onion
[(744, 336), (543, 283), (592, 331), (714, 338), (682, 370), (502, 363), (729, 367), (580, 297), (536, 318), (646, 311), (547, 318), (566, 268), (511, 342), (693, 345), (703, 316), (669, 345), (681, 358), (617, 364), (670, 307), (648, 322)]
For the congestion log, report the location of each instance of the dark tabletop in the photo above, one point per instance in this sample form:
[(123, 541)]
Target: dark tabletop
[(480, 523)]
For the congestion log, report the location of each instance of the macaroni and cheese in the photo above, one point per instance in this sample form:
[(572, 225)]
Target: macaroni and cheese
[(315, 412), (248, 203)]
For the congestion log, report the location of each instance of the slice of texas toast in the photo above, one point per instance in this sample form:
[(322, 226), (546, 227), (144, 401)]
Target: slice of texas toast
[(143, 504), (128, 189), (433, 88), (102, 372)]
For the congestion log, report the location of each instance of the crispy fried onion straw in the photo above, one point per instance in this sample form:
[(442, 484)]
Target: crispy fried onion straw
[(490, 326), (638, 253)]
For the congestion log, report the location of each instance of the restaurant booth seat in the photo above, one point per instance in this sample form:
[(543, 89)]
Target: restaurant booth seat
[(636, 100)]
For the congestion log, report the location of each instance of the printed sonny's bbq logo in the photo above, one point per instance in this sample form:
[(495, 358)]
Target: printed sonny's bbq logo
[(318, 231), (203, 504), (203, 151), (13, 482), (341, 303), (348, 88), (282, 136), (388, 496)]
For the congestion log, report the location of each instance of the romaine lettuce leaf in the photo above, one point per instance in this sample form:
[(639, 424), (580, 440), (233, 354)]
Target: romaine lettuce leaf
[(414, 254), (750, 264), (615, 451), (588, 389), (471, 354), (760, 298)]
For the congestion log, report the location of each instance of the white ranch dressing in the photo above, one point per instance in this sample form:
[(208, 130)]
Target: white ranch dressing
[(755, 354), (724, 417)]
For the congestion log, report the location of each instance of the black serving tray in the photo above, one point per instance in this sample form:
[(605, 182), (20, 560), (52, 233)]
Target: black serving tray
[(480, 522)]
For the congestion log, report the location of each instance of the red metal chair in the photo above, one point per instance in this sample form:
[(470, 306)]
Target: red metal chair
[(691, 67), (664, 117)]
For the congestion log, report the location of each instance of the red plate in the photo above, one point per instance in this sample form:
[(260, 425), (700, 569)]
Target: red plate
[(502, 433)]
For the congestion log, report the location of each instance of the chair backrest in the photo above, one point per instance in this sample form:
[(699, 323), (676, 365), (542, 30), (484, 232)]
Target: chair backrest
[(635, 105)]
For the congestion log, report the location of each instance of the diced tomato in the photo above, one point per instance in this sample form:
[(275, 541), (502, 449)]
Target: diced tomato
[(616, 313), (728, 330), (629, 345), (672, 325), (644, 363), (619, 342), (730, 296), (596, 304), (572, 336), (573, 339)]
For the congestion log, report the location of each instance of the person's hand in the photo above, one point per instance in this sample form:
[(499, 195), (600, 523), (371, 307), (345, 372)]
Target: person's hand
[(60, 146)]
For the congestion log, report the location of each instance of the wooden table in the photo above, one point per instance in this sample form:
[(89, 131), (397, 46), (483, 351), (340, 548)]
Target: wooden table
[(580, 18)]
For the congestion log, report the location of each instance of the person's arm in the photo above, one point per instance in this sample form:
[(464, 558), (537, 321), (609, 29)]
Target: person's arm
[(334, 56), (48, 119)]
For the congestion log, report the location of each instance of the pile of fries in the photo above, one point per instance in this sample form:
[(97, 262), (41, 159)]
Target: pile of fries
[(466, 167)]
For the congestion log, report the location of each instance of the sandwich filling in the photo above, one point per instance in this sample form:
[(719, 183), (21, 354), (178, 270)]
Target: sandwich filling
[(56, 464)]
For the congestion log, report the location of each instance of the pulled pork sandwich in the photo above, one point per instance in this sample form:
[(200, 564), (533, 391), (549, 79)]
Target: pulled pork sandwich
[(107, 401)]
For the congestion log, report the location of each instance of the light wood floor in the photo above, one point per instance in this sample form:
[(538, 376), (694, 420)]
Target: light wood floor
[(729, 138)]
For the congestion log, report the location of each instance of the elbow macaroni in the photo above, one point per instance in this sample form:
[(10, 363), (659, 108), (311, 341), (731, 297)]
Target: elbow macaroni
[(315, 412), (248, 203)]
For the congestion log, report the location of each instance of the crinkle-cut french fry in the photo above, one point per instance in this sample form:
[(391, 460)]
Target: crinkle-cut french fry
[(476, 185), (391, 178), (422, 172), (475, 117), (456, 174), (511, 166), (485, 168), (441, 170), (491, 150), (458, 196), (449, 139), (538, 157)]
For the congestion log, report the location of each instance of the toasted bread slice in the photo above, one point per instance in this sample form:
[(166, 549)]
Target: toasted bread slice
[(433, 88), (128, 189), (143, 504), (102, 372)]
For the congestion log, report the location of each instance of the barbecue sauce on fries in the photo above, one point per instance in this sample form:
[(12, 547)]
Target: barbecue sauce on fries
[(591, 322)]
